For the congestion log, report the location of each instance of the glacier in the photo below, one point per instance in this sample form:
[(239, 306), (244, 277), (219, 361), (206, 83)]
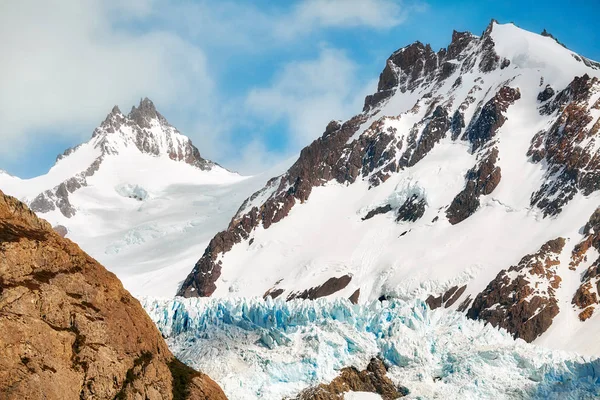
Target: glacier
[(270, 349)]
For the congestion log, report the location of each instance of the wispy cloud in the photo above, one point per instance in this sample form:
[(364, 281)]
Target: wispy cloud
[(65, 63), (248, 27), (308, 94)]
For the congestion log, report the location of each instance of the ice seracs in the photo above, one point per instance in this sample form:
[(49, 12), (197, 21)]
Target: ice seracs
[(274, 349)]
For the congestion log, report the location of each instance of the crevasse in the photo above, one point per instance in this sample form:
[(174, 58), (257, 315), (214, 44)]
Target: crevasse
[(269, 349)]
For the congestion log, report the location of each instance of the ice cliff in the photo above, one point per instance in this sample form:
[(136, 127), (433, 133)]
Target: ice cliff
[(270, 349)]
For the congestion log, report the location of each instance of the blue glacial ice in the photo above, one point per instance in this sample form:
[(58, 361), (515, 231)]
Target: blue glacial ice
[(271, 349)]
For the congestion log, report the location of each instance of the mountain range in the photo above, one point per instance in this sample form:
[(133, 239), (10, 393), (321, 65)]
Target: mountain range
[(467, 188)]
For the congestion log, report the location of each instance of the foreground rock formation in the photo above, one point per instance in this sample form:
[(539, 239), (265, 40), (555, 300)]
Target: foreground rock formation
[(70, 330), (373, 379)]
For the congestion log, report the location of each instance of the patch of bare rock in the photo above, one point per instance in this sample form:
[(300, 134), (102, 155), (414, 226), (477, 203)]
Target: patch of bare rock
[(69, 328)]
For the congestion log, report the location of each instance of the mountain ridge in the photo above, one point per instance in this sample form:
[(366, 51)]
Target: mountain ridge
[(438, 148), (144, 129)]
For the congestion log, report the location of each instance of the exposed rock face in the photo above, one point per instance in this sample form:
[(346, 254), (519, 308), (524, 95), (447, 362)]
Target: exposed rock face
[(61, 230), (481, 180), (144, 128), (418, 64), (546, 94), (331, 286), (378, 210), (446, 299), (491, 117), (522, 298), (373, 380), (372, 147), (587, 295), (569, 147), (355, 297), (548, 34), (412, 209), (58, 198), (70, 330)]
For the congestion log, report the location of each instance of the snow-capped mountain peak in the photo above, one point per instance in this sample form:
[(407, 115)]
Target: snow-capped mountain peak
[(130, 147), (467, 177), (147, 130)]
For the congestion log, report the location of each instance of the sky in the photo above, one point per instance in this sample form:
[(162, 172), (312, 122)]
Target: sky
[(250, 82)]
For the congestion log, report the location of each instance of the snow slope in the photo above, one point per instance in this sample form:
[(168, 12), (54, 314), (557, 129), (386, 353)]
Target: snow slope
[(143, 204), (328, 234), (271, 349)]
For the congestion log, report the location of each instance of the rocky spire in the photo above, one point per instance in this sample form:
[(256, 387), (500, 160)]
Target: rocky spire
[(115, 110), (144, 113), (489, 28)]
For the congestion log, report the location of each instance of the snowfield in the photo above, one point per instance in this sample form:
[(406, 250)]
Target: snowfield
[(271, 349)]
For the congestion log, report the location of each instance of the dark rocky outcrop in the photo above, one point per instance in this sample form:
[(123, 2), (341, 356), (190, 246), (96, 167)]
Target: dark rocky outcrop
[(548, 34), (568, 148), (70, 330), (481, 180), (546, 94), (412, 209), (491, 117), (330, 286), (489, 59), (273, 293), (434, 131), (418, 64), (512, 302), (457, 124), (354, 297), (376, 211), (446, 299), (587, 295), (373, 380)]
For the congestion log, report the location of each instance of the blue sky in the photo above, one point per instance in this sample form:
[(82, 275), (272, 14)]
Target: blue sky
[(250, 82)]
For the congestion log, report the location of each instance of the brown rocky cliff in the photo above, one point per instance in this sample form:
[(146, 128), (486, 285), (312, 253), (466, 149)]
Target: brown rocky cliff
[(69, 328), (522, 299)]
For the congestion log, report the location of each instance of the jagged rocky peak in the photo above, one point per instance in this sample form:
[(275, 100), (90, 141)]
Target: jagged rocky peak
[(144, 113), (417, 64), (144, 129)]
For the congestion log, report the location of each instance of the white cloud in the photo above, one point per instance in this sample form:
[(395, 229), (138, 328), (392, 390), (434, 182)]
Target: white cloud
[(248, 27), (313, 14), (309, 94), (65, 63)]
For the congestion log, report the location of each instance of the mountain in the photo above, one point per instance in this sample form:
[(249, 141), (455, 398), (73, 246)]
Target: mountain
[(470, 179), (70, 330), (119, 143), (138, 197)]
